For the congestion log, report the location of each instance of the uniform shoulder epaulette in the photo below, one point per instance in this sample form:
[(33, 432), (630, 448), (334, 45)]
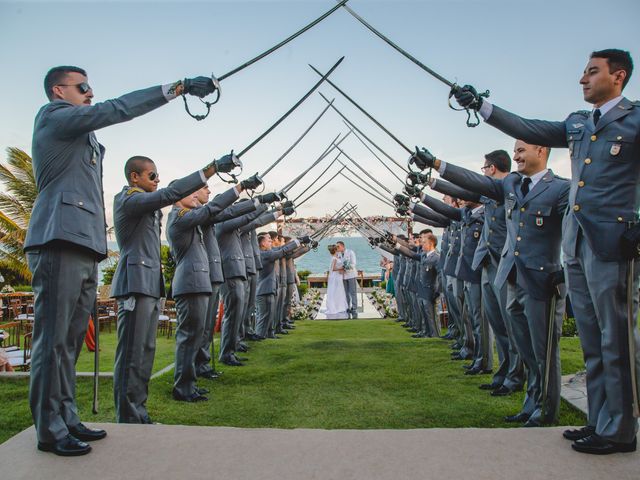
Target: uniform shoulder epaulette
[(636, 103), (582, 113), (183, 211), (133, 190)]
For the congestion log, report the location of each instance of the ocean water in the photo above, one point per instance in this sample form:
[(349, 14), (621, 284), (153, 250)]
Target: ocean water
[(367, 259)]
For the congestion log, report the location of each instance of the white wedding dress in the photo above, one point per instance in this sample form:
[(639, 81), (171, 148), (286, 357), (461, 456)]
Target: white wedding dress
[(336, 296)]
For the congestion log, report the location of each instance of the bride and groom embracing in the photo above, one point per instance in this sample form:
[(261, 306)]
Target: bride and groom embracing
[(342, 297)]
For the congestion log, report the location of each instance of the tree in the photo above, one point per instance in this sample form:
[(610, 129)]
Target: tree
[(16, 204)]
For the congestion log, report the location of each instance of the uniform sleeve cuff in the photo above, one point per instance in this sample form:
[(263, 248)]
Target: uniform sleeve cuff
[(169, 90), (202, 177), (442, 168), (486, 109)]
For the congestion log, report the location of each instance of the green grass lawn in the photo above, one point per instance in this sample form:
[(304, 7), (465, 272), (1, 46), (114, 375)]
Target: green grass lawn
[(358, 374)]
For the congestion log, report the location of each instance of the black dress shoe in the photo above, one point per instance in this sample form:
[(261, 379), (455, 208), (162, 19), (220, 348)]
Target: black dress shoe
[(533, 423), (232, 362), (596, 445), (501, 391), (418, 335), (473, 371), (81, 432), (201, 391), (194, 397), (491, 386), (468, 366), (241, 359), (210, 375), (579, 433), (69, 446), (282, 331), (242, 348), (288, 326), (517, 418)]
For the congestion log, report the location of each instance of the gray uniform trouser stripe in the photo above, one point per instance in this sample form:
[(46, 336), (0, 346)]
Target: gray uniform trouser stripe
[(64, 285), (494, 303), (530, 317), (351, 289), (203, 357), (264, 313), (232, 292), (134, 358), (191, 310), (598, 293)]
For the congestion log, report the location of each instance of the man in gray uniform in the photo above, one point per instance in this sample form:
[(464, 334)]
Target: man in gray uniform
[(603, 209), (267, 283), (204, 363), (191, 282), (291, 281), (535, 201), (137, 282), (233, 289), (66, 239), (509, 375)]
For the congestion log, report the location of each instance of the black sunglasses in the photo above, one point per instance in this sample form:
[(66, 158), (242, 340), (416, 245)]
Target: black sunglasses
[(153, 176), (83, 87)]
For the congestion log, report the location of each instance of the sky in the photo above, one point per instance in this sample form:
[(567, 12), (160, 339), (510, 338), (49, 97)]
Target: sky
[(529, 54)]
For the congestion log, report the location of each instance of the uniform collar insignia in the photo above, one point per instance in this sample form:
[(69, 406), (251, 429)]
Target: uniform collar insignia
[(578, 125)]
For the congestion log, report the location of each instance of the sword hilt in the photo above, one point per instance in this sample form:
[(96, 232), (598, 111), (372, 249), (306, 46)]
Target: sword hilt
[(216, 89), (471, 108)]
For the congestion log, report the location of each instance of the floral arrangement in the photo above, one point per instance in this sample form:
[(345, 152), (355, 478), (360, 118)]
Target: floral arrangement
[(308, 306), (384, 302)]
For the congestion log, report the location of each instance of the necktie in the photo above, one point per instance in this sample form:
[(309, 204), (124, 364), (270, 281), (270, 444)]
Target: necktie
[(524, 187), (596, 116)]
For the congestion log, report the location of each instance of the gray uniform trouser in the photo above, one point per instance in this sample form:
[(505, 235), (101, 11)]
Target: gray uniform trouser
[(137, 328), (464, 322), (250, 313), (598, 292), (530, 318), (191, 310), (204, 355), (427, 310), (242, 331), (288, 300), (64, 286), (452, 328), (494, 303), (264, 313), (399, 301), (232, 292), (277, 311), (453, 307), (473, 300), (351, 289)]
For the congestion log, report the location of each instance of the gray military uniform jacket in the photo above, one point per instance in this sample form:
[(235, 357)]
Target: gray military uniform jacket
[(228, 236), (534, 221), (137, 218), (291, 265), (246, 232), (67, 164), (186, 241), (602, 156), (426, 281), (267, 284)]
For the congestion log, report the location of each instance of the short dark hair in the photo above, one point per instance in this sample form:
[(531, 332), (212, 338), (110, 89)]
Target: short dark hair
[(340, 242), (56, 75), (426, 230), (273, 234), (617, 60), (135, 164), (499, 158), (433, 239), (262, 236)]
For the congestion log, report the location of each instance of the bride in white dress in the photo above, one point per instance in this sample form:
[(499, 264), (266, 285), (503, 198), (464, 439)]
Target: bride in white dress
[(336, 296)]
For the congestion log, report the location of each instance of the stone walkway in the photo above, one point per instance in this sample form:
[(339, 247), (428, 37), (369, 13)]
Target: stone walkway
[(172, 452)]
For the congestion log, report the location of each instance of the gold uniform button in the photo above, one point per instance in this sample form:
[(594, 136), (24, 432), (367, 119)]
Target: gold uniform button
[(620, 219), (516, 253), (593, 138), (488, 244), (587, 161), (490, 231), (493, 219), (541, 268), (619, 137), (518, 238), (522, 224), (522, 209), (581, 183), (576, 208), (81, 203)]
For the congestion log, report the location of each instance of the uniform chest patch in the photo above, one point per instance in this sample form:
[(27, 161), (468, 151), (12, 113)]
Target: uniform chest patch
[(539, 221), (615, 149)]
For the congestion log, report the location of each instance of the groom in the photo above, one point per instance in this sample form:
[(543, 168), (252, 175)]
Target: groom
[(349, 278)]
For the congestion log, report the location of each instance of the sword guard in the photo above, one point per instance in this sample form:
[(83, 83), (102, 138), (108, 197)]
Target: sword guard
[(217, 90), (476, 119)]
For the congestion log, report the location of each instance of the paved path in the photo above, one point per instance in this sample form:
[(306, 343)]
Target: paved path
[(365, 309), (172, 452)]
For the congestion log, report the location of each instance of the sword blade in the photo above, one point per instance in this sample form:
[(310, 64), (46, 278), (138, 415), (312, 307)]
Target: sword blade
[(316, 179), (403, 52), (369, 116), (321, 187), (367, 191), (298, 103), (365, 172), (376, 156), (296, 142), (354, 127), (372, 189), (547, 360), (631, 332), (284, 42)]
